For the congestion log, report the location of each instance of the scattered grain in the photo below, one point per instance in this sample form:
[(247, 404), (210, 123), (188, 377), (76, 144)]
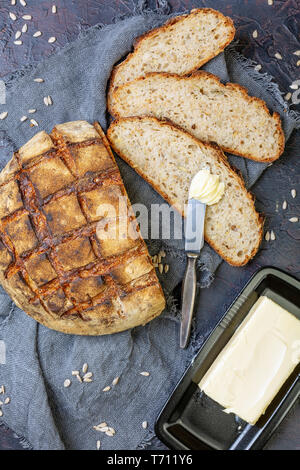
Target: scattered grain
[(7, 401), (167, 267), (270, 2), (273, 236), (255, 33), (98, 445), (54, 9), (13, 2), (88, 375), (278, 56), (27, 17), (106, 389), (145, 374), (18, 34), (293, 219), (115, 381), (294, 86), (75, 372), (162, 253), (298, 63), (12, 16), (3, 115), (23, 3), (257, 67), (85, 367), (297, 53), (46, 100), (18, 43), (161, 268), (267, 236), (293, 193), (144, 424), (37, 34), (38, 80), (2, 389), (32, 111), (67, 383), (1, 413), (50, 101), (284, 205), (24, 28), (33, 122), (288, 96), (52, 39)]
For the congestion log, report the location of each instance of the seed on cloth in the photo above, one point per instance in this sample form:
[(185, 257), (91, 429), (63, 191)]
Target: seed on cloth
[(52, 39), (31, 111), (115, 381), (98, 445), (1, 413), (85, 367), (284, 205), (3, 115), (37, 34), (33, 122), (18, 34), (38, 80), (67, 383), (6, 401), (18, 43), (293, 219), (54, 9), (106, 389), (12, 16), (27, 17), (293, 193), (2, 389), (145, 374), (23, 3), (24, 28), (273, 236), (144, 424), (278, 56), (267, 236)]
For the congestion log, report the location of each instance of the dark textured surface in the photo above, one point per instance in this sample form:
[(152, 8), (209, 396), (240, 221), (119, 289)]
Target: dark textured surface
[(278, 31)]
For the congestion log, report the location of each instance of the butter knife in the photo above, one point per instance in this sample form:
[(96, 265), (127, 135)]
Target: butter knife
[(194, 241)]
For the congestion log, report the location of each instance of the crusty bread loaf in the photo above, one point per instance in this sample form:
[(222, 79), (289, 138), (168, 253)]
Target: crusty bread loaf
[(168, 157), (180, 46), (211, 111)]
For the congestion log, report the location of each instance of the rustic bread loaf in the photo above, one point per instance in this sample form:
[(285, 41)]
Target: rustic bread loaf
[(168, 157), (53, 262), (211, 111), (180, 46)]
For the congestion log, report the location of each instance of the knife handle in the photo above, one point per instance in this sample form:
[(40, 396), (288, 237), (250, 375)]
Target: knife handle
[(188, 299)]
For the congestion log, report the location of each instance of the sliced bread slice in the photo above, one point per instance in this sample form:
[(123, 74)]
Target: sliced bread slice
[(211, 111), (168, 158), (180, 46)]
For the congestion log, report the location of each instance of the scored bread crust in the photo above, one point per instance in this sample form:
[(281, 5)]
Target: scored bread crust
[(124, 290), (221, 158), (201, 73), (227, 21)]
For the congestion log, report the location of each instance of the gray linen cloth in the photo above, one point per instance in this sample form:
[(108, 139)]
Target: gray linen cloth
[(44, 413)]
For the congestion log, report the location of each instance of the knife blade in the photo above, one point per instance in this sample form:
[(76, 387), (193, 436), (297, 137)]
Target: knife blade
[(194, 241)]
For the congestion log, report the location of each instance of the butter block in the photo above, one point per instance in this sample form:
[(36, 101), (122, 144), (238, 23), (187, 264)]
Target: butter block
[(256, 361)]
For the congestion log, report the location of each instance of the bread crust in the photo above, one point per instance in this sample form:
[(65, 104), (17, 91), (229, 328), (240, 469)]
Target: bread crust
[(221, 157), (52, 262), (196, 11), (240, 88)]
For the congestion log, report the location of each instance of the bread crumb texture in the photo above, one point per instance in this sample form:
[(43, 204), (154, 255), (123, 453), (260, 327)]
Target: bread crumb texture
[(168, 158)]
